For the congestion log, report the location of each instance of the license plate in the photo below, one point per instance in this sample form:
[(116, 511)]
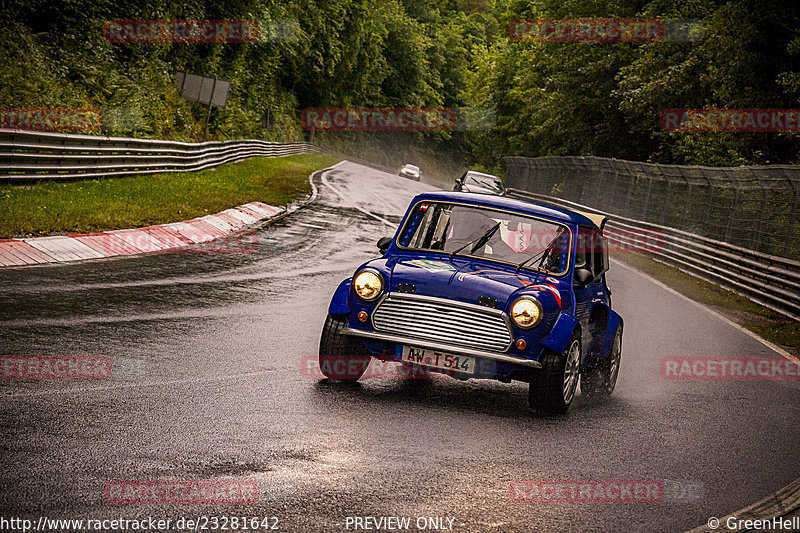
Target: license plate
[(437, 359)]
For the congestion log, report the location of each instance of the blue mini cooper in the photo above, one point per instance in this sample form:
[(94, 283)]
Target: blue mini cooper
[(483, 286)]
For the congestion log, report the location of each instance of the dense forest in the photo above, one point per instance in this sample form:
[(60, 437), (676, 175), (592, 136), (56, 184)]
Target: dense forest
[(546, 98)]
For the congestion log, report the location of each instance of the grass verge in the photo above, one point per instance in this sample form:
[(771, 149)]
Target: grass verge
[(86, 206), (768, 324)]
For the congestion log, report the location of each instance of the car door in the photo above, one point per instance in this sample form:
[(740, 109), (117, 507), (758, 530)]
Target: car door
[(598, 294), (593, 300), (601, 292), (584, 295)]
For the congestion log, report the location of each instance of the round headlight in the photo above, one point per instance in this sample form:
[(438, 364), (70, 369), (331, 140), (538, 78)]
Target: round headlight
[(368, 285), (526, 312)]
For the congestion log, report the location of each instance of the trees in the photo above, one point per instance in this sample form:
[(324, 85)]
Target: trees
[(605, 99), (548, 98)]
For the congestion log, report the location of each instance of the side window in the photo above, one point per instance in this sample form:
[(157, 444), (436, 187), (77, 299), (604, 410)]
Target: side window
[(583, 255), (599, 254)]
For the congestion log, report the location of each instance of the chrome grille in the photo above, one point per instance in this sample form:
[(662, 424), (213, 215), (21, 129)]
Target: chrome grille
[(441, 320)]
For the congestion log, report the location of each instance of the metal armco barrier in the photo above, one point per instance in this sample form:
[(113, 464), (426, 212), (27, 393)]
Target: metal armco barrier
[(31, 155), (771, 281), (755, 207)]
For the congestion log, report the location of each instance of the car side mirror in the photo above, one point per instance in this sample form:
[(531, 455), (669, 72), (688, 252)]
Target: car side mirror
[(583, 277), (383, 244)]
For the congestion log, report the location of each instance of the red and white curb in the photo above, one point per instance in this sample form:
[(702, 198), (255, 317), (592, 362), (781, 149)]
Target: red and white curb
[(160, 238)]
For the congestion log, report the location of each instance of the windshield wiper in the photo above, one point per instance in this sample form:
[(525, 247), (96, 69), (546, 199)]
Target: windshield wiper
[(479, 241), (542, 255)]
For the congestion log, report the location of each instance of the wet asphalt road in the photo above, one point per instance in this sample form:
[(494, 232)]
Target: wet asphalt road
[(207, 384)]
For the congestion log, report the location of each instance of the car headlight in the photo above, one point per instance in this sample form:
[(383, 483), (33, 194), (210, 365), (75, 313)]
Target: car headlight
[(368, 284), (526, 312)]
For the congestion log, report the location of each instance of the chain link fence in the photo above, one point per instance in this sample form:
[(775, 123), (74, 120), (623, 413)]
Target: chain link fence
[(752, 207)]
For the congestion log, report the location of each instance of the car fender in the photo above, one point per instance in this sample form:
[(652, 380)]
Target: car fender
[(339, 301), (614, 322), (561, 332)]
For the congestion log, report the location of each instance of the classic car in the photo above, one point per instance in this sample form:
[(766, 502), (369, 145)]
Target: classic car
[(484, 286), (474, 181)]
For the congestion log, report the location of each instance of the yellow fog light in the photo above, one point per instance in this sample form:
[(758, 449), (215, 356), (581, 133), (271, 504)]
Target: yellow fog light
[(368, 285), (526, 312)]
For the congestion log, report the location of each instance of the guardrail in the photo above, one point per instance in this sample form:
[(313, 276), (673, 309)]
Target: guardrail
[(26, 155), (31, 155), (771, 281)]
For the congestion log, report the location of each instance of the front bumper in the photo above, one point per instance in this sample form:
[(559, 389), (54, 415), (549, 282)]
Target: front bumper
[(389, 337)]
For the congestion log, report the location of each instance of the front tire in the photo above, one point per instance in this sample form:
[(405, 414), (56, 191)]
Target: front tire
[(599, 382), (341, 357), (553, 387)]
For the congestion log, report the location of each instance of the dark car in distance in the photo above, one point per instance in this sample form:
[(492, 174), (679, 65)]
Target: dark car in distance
[(479, 182)]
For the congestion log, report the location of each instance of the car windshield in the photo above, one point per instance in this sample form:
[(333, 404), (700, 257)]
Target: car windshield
[(486, 183), (444, 227)]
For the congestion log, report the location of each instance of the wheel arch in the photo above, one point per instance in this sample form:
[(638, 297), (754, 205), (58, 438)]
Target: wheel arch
[(562, 331), (338, 305), (615, 323)]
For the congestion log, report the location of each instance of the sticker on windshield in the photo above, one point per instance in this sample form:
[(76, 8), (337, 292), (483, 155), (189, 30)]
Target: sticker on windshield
[(430, 266)]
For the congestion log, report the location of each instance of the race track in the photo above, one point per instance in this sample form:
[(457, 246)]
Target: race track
[(208, 382)]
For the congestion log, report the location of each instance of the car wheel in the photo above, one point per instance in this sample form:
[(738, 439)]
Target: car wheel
[(599, 381), (552, 388), (340, 356)]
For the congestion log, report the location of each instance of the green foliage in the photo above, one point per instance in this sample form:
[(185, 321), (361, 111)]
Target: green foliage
[(605, 99), (343, 53), (548, 98)]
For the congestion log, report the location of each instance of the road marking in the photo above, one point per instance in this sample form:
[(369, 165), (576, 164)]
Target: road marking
[(772, 346), (342, 196)]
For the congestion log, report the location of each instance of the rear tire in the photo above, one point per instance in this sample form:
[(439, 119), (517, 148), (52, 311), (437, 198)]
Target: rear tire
[(599, 381), (341, 357), (553, 386)]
